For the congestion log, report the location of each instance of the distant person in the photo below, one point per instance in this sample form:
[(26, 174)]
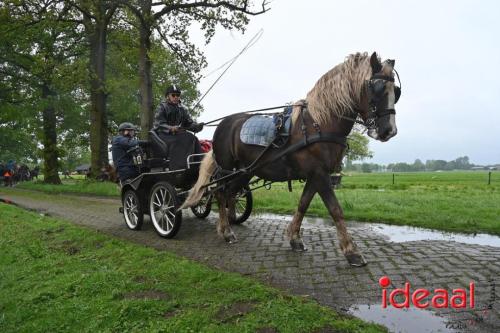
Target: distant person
[(121, 149), (11, 166), (34, 173), (172, 123), (8, 173), (67, 175)]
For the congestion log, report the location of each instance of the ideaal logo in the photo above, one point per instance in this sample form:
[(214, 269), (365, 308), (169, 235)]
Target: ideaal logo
[(439, 298), (479, 315)]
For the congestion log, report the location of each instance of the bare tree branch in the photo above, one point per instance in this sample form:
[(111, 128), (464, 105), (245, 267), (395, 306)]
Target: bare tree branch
[(81, 9), (207, 4), (173, 47)]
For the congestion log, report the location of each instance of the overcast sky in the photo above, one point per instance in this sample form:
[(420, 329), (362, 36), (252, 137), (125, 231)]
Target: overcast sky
[(447, 54)]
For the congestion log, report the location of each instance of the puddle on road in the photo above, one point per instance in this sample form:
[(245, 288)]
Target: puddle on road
[(400, 234), (409, 320)]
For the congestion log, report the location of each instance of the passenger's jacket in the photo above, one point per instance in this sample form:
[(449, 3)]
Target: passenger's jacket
[(119, 147), (173, 115)]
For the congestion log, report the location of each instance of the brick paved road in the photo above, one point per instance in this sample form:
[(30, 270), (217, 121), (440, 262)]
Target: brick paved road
[(322, 272)]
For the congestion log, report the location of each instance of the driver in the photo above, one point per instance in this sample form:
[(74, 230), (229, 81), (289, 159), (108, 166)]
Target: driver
[(122, 146), (172, 121)]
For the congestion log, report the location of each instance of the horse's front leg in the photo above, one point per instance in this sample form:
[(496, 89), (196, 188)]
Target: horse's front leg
[(347, 245), (223, 227), (293, 230)]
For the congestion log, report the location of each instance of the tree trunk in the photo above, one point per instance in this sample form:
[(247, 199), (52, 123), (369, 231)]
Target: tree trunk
[(98, 96), (145, 83), (51, 164)]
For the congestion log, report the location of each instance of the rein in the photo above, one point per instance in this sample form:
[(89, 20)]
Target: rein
[(249, 111), (275, 108)]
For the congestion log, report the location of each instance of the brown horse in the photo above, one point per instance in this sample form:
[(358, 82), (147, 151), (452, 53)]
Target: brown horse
[(360, 86)]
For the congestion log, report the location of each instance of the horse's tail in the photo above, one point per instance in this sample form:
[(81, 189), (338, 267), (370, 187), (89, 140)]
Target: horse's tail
[(207, 168)]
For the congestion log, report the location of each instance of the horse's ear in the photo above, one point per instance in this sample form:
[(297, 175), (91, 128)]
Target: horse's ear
[(375, 63), (391, 62)]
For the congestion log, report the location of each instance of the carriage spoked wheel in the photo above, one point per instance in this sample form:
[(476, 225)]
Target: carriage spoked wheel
[(163, 205), (244, 205), (132, 210), (203, 208)]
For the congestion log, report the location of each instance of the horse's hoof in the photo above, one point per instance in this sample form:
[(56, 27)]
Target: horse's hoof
[(231, 238), (298, 245), (356, 259)]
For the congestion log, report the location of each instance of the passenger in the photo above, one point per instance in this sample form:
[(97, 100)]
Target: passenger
[(121, 149), (172, 123)]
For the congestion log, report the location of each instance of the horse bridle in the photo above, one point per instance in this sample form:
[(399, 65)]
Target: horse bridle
[(376, 84)]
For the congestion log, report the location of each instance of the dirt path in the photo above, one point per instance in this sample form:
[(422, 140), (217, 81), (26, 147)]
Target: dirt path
[(322, 272)]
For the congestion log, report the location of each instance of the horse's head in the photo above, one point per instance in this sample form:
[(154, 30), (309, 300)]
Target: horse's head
[(378, 100)]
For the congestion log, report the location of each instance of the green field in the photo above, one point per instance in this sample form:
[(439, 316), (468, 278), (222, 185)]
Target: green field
[(57, 277), (451, 201)]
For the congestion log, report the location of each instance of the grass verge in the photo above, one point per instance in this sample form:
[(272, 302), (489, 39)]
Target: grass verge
[(56, 277), (75, 186)]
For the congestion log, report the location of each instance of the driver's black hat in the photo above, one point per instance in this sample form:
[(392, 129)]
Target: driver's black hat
[(173, 89)]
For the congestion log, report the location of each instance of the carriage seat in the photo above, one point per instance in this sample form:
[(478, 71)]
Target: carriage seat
[(262, 130), (157, 152), (159, 148)]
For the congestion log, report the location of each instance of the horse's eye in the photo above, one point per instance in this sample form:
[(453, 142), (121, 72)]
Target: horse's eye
[(378, 87)]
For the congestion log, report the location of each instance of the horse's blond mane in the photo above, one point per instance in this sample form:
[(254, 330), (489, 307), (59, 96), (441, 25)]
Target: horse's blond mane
[(338, 91)]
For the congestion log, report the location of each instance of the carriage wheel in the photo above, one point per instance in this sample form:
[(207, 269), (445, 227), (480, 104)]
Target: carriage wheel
[(163, 206), (203, 208), (244, 205), (132, 210)]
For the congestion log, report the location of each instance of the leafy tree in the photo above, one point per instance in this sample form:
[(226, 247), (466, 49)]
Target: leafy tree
[(434, 165), (94, 18), (358, 147), (418, 165), (171, 20), (122, 80), (36, 52), (400, 167), (366, 167), (17, 137), (462, 163)]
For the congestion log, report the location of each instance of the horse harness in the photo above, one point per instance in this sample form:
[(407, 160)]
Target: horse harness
[(307, 140)]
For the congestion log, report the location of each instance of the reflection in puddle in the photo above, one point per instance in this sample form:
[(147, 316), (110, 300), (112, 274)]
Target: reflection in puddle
[(399, 234), (407, 234), (401, 320)]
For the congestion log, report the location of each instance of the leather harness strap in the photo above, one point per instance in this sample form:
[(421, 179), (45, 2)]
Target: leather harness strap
[(306, 141)]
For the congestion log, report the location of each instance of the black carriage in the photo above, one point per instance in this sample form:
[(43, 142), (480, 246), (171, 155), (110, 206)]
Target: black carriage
[(159, 191)]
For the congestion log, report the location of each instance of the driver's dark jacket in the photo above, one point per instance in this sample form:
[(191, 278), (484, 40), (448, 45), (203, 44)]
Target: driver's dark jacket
[(172, 115), (122, 160)]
